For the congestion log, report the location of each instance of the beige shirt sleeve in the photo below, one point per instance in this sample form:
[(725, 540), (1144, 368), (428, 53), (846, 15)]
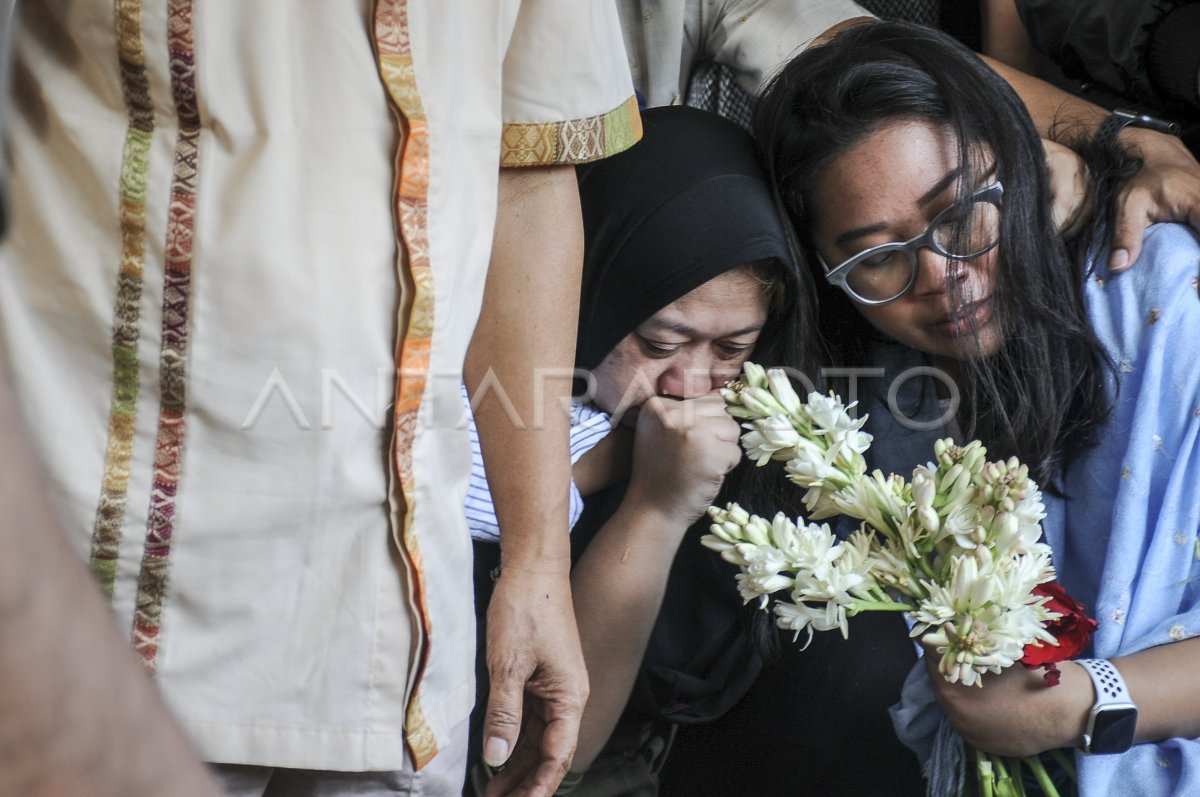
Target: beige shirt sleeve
[(567, 94), (755, 37)]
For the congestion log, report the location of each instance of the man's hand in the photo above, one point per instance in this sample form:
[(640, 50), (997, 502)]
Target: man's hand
[(538, 682), (1166, 189)]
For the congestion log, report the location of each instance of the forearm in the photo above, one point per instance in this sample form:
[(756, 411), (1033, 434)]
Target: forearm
[(527, 329), (1166, 189), (1048, 104), (618, 587), (77, 715), (1163, 683), (1050, 107), (1016, 714)]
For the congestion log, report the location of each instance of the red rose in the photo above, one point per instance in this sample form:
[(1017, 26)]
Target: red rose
[(1072, 630)]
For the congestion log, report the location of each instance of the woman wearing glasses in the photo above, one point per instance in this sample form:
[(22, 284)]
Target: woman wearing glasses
[(914, 179)]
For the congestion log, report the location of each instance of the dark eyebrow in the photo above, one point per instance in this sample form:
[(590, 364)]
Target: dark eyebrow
[(686, 331), (924, 199), (939, 187)]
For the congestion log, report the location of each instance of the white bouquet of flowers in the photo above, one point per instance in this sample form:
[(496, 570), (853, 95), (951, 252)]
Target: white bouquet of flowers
[(956, 546)]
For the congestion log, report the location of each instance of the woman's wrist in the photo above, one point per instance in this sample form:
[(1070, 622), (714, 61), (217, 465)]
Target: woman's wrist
[(1075, 699), (652, 513)]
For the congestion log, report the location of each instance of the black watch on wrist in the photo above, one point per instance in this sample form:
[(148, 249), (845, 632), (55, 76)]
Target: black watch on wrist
[(1121, 118), (1113, 717)]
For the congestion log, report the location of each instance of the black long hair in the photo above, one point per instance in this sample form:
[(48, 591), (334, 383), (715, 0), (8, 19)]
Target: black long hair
[(1042, 397)]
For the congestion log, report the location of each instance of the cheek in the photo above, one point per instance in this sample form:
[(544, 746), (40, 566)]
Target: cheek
[(724, 370), (892, 320), (622, 374)]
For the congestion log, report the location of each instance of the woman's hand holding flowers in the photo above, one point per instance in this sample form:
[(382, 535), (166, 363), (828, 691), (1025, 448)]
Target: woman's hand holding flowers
[(1016, 714)]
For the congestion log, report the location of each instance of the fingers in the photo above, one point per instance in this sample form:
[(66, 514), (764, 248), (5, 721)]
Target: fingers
[(1133, 216), (1167, 188), (556, 751), (546, 746), (682, 414), (539, 682), (526, 772), (502, 722)]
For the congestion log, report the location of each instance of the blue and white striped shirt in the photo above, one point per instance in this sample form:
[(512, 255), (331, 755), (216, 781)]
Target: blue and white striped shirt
[(588, 427)]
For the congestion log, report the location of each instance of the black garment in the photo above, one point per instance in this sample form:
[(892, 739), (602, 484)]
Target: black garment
[(1135, 53), (1111, 42), (814, 722)]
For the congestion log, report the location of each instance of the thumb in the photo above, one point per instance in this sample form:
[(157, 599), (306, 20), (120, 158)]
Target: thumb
[(1132, 218), (502, 722)]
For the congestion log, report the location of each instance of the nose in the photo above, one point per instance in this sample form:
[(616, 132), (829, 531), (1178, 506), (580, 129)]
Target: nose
[(935, 272), (690, 377)]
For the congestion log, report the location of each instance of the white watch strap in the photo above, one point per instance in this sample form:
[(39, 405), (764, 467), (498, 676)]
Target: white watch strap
[(1112, 702), (1110, 686)]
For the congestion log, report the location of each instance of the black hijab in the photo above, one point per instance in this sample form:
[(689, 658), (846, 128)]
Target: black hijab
[(686, 204)]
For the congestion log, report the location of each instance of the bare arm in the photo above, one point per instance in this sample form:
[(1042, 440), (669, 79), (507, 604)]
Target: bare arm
[(1016, 714), (682, 451), (528, 322), (77, 715), (1004, 37)]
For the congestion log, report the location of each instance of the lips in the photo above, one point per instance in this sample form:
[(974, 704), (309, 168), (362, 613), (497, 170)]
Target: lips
[(973, 315)]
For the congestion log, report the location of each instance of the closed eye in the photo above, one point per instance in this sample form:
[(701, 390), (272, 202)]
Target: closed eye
[(881, 259), (658, 348), (732, 351)]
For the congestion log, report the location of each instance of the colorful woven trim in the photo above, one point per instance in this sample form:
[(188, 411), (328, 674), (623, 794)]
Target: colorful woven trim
[(394, 51), (572, 141), (135, 85), (168, 447)]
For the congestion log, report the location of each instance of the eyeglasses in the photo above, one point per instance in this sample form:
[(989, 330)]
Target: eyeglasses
[(886, 272)]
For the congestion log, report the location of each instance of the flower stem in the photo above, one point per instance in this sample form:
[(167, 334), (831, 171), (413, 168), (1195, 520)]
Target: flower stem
[(1004, 779), (860, 606), (1043, 777), (1067, 762), (987, 776)]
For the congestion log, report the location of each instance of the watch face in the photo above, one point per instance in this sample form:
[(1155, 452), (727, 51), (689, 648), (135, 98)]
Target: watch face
[(1112, 729)]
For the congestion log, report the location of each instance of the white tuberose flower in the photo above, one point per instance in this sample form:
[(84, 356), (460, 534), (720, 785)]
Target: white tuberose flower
[(770, 438), (761, 574)]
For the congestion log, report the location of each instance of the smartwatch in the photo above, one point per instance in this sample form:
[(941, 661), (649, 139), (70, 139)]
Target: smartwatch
[(1113, 717), (1119, 119)]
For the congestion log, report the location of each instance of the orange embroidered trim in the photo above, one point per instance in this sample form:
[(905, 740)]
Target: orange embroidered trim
[(394, 51), (573, 140)]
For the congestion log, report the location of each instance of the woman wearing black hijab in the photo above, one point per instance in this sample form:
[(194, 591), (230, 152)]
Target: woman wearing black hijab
[(687, 271)]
